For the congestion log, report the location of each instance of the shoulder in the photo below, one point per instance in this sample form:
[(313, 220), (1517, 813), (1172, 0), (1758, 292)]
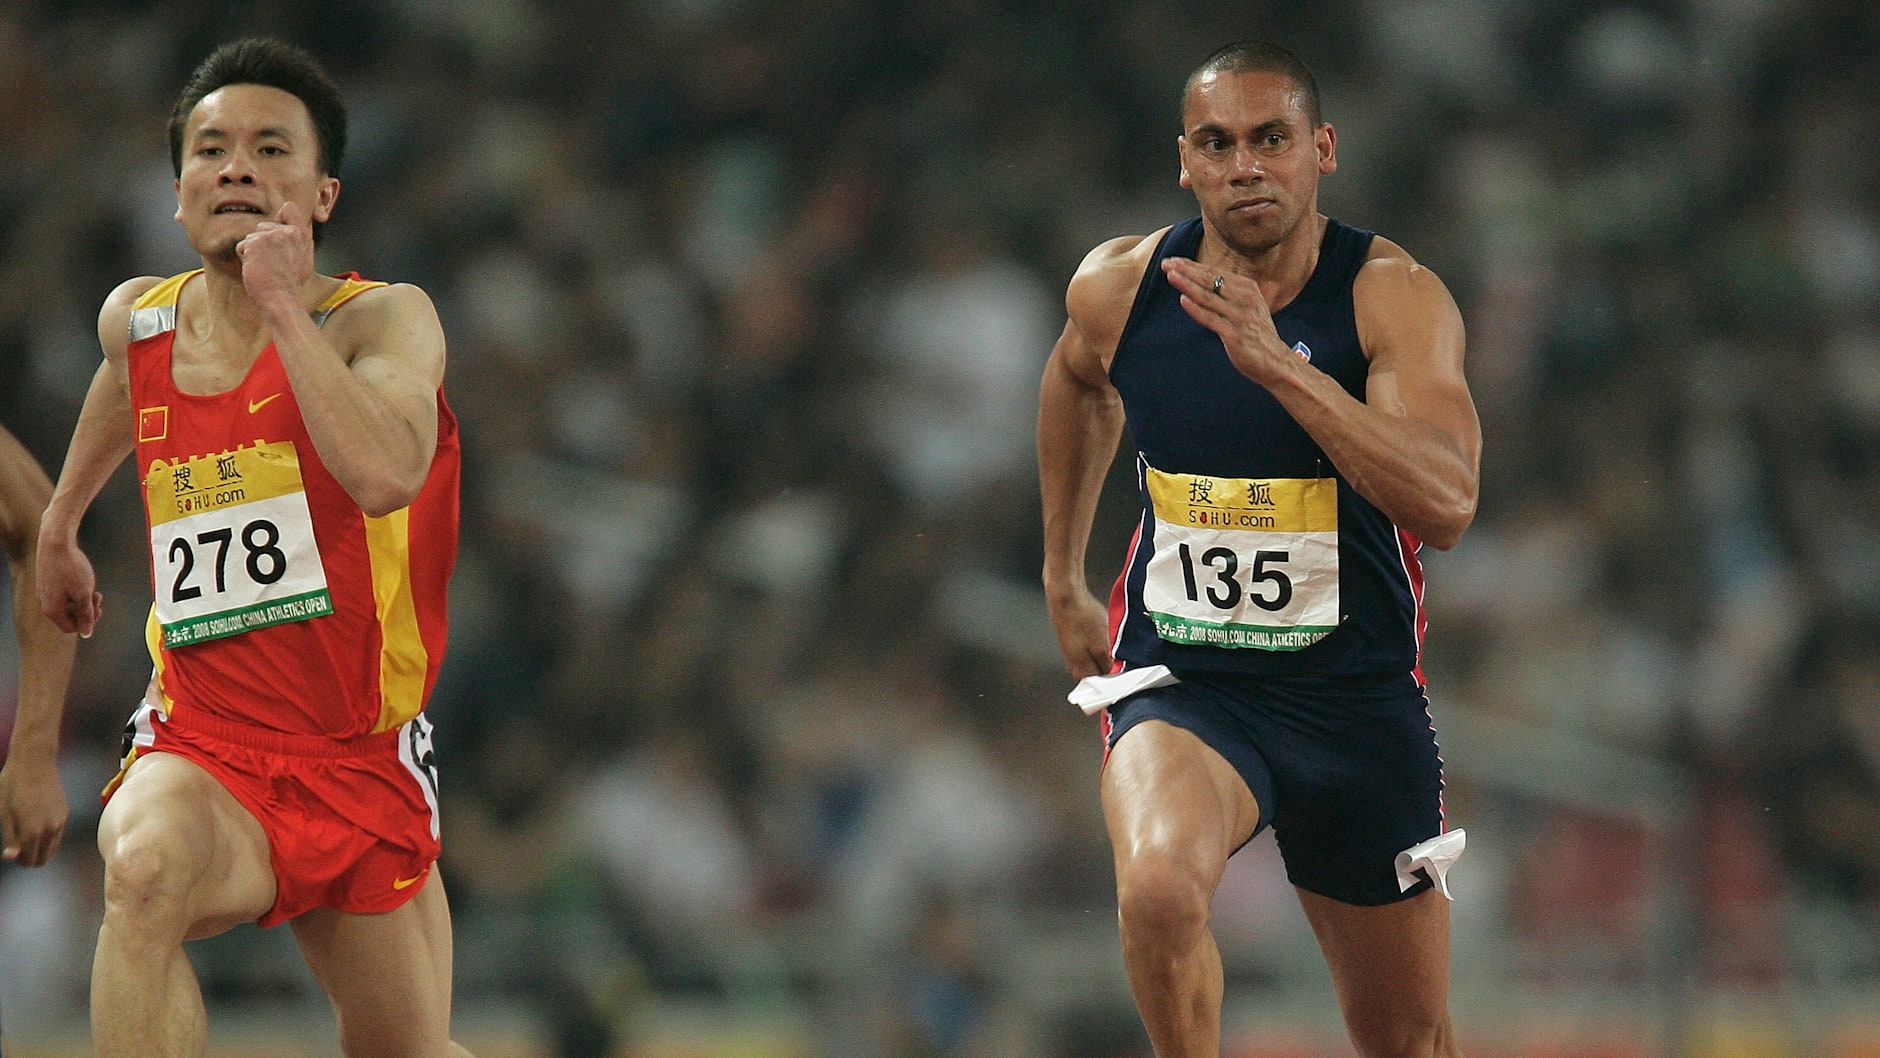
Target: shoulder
[(117, 304), (1391, 278), (382, 304), (114, 318), (1402, 306), (398, 311), (1104, 287), (391, 334), (1112, 270)]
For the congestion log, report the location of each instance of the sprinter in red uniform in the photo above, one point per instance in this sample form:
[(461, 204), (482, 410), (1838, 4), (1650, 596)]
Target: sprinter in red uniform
[(299, 470)]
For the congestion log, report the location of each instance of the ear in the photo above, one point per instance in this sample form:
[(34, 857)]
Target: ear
[(1326, 140), (1181, 151), (328, 195), (177, 186)]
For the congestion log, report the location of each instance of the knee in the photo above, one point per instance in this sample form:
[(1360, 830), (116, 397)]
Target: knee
[(363, 1038), (1161, 896), (1401, 1038), (145, 880)]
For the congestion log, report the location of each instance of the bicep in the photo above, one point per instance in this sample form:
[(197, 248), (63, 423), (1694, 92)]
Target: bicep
[(1096, 308), (1076, 360), (24, 489), (1413, 333), (114, 326), (105, 431), (408, 390), (399, 355)]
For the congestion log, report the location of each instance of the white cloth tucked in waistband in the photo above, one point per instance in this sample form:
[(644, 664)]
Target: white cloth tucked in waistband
[(1095, 693)]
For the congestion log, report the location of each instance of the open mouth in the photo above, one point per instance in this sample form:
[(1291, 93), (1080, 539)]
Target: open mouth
[(239, 207)]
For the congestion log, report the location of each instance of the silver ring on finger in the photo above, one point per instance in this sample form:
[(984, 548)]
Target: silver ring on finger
[(1218, 281)]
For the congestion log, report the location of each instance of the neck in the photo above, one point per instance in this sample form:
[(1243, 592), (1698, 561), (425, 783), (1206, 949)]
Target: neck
[(1282, 270), (226, 309), (221, 324)]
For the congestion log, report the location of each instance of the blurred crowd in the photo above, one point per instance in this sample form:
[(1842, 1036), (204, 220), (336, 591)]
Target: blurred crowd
[(751, 696)]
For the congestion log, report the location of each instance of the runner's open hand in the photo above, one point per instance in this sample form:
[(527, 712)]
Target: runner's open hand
[(1235, 309)]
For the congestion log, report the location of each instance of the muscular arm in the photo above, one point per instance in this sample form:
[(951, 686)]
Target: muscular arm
[(67, 586), (33, 810), (1080, 418), (366, 384), (1413, 446)]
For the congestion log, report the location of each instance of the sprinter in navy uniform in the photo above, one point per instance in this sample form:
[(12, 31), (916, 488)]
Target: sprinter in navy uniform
[(1295, 388)]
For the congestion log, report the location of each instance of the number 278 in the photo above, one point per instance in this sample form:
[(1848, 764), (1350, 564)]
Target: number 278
[(266, 563)]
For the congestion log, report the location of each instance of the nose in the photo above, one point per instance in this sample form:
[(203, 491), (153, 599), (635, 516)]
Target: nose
[(236, 169), (1247, 165)]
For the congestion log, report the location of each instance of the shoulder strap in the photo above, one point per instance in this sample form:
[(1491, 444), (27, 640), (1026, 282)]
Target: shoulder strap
[(155, 312), (351, 287)]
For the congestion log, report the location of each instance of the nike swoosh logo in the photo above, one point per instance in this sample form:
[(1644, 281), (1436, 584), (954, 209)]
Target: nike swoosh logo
[(406, 883), (257, 405)]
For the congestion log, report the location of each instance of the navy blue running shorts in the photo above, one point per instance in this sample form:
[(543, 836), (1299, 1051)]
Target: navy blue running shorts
[(1344, 769)]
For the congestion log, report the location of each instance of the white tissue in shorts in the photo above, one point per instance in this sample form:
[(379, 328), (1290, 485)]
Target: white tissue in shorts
[(1434, 857), (1094, 693)]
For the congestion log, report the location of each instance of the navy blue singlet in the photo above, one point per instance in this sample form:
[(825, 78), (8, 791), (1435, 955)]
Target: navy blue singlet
[(1192, 413)]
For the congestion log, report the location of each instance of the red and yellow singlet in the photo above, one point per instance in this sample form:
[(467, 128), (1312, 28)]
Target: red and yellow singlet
[(278, 603)]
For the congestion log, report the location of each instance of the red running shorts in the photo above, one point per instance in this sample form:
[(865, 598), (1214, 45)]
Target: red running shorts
[(350, 825)]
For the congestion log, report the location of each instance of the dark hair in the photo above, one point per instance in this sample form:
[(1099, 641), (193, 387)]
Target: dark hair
[(269, 62), (1258, 56)]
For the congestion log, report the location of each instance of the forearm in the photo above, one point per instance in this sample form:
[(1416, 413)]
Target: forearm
[(1078, 430), (370, 445), (45, 670), (45, 652), (1416, 474)]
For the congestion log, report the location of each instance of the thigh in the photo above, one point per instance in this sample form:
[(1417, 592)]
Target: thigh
[(175, 831), (1389, 963), (388, 975), (1219, 738), (1359, 780), (1167, 792)]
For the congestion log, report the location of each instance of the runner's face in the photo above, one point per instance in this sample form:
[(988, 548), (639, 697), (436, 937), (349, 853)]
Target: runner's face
[(1252, 157), (247, 149)]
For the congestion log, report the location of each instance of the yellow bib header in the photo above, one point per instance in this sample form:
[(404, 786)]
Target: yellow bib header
[(1256, 505), (205, 483)]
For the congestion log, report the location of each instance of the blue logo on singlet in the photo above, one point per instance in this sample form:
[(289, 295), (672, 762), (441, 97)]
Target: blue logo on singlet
[(1303, 350)]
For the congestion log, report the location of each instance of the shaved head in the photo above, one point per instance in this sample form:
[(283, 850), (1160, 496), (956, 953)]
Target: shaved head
[(1257, 56)]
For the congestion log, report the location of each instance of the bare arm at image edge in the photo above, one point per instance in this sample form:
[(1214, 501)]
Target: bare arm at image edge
[(33, 809)]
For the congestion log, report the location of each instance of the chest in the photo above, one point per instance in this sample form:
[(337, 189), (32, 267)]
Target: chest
[(1190, 409), (206, 368)]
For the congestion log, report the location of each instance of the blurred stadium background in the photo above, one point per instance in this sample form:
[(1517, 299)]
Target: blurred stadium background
[(753, 730)]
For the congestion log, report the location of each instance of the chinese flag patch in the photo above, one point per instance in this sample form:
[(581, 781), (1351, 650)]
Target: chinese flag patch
[(153, 424)]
